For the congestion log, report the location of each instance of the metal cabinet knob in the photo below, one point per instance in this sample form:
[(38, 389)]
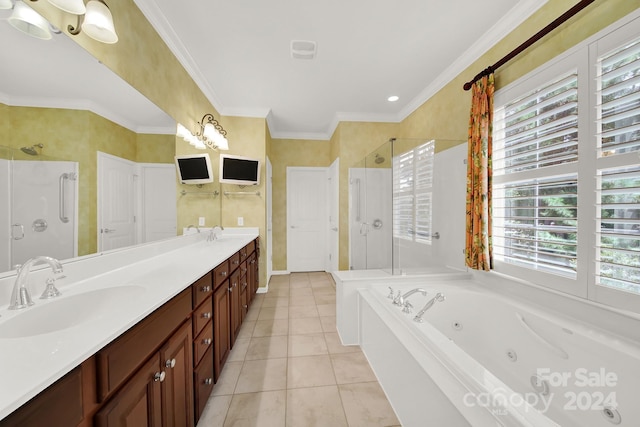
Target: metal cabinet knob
[(206, 315), (159, 376), (208, 381), (207, 341), (205, 288), (223, 273), (245, 306), (171, 363)]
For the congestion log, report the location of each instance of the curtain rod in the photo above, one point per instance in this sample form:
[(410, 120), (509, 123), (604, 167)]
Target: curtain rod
[(537, 36)]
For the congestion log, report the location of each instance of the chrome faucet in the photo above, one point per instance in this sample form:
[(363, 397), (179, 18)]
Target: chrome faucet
[(190, 226), (439, 298), (212, 233), (20, 297), (400, 299)]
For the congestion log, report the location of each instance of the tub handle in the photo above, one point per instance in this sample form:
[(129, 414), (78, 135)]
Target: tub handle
[(554, 349)]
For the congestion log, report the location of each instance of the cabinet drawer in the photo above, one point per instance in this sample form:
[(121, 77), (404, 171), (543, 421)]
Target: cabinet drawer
[(202, 315), (120, 359), (243, 269), (201, 289), (243, 254), (203, 377), (220, 273), (251, 247), (234, 261), (202, 343)]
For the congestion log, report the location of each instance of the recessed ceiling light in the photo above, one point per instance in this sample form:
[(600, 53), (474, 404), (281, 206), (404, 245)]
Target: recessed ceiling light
[(393, 98)]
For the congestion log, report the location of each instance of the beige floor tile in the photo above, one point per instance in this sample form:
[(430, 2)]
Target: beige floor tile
[(366, 405), (328, 323), (239, 350), (326, 309), (277, 292), (352, 368), (300, 311), (276, 302), (334, 345), (307, 325), (301, 292), (228, 378), (318, 275), (267, 347), (307, 345), (300, 285), (246, 330), (302, 300), (215, 411), (315, 407), (264, 409), (326, 300), (270, 313), (252, 314), (309, 371), (262, 375), (268, 328), (323, 288)]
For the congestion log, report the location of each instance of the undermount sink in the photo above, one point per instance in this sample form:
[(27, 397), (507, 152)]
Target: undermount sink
[(64, 312)]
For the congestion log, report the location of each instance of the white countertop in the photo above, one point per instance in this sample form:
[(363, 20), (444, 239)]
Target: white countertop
[(159, 271)]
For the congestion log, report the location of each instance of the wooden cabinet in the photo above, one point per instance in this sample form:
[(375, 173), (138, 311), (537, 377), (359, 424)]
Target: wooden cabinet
[(221, 328), (176, 363), (234, 306)]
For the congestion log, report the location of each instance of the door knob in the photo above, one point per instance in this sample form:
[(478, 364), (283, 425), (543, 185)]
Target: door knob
[(107, 230)]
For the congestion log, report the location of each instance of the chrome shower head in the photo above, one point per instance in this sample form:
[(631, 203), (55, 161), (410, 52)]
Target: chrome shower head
[(378, 159), (32, 150)]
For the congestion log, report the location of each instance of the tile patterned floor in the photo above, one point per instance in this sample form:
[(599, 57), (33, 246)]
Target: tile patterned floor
[(288, 367)]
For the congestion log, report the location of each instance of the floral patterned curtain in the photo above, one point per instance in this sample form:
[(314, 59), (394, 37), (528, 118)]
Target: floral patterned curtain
[(478, 251)]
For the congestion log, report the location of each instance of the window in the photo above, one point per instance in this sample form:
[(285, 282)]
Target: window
[(566, 186), (412, 193)]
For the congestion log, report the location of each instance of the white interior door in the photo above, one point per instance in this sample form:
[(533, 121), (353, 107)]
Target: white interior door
[(333, 194), (307, 216), (5, 216), (159, 211), (269, 220), (116, 202)]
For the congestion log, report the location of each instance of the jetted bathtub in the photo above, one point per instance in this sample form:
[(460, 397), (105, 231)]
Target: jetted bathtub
[(480, 359)]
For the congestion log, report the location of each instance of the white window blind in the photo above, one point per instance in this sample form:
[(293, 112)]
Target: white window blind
[(619, 100), (618, 242), (539, 129), (412, 193), (534, 199)]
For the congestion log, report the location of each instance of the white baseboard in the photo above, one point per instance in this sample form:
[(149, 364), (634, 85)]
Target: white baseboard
[(279, 272)]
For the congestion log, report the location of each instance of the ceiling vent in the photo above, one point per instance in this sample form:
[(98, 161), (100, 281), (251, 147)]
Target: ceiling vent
[(303, 49)]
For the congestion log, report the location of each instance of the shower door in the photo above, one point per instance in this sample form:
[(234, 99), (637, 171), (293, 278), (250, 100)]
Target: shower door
[(43, 209)]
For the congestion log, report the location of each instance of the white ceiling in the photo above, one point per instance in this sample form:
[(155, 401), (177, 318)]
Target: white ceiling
[(238, 52)]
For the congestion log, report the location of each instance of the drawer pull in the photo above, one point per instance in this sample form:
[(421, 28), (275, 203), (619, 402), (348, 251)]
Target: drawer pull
[(205, 288), (245, 306), (208, 381), (206, 315), (159, 376), (223, 273), (206, 341), (236, 262), (171, 363), (231, 289)]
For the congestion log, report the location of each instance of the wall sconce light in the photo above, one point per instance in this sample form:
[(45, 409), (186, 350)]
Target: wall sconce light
[(97, 23), (27, 20), (211, 134), (94, 19)]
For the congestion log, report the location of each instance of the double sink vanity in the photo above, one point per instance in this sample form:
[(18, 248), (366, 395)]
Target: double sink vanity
[(137, 337)]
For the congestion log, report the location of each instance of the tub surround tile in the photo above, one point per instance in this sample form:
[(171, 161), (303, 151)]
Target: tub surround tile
[(316, 406), (258, 409)]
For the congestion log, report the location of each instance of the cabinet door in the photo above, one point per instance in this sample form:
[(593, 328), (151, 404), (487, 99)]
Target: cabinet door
[(235, 308), (138, 404), (221, 329), (177, 388)]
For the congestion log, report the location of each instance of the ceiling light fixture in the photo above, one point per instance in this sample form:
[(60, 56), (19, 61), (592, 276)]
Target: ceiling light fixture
[(211, 134), (30, 22), (393, 98), (75, 7)]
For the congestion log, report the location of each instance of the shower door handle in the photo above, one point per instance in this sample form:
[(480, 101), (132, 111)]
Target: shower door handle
[(13, 235), (61, 213)]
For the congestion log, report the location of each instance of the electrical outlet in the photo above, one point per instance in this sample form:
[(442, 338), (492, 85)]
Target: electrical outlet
[(240, 221), (201, 221)]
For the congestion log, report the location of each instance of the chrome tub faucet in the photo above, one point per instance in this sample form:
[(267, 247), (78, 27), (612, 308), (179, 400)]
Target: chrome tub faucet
[(438, 298), (20, 297), (400, 299)]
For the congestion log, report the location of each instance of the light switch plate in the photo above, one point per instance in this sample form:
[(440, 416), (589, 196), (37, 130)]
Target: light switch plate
[(240, 221)]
